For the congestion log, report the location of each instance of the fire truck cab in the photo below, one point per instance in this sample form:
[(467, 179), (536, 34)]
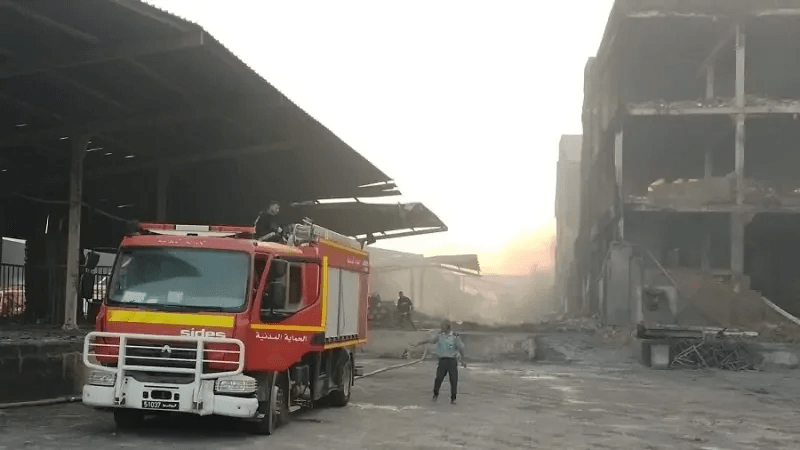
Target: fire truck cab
[(205, 320)]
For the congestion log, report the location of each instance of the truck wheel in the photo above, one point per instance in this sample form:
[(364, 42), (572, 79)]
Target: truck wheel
[(275, 411), (127, 419), (341, 396)]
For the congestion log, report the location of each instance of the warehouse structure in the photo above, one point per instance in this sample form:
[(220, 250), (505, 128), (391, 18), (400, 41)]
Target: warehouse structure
[(113, 110), (691, 144)]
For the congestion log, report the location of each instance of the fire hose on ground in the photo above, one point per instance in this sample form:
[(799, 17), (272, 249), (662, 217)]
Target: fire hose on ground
[(396, 366), (47, 402)]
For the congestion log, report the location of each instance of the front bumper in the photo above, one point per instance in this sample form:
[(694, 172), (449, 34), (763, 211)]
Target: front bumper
[(137, 395), (196, 396)]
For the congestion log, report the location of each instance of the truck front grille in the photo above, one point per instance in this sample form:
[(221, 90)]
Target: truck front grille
[(165, 354)]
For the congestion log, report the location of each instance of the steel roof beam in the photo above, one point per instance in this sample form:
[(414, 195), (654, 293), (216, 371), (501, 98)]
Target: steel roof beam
[(189, 159), (103, 54), (147, 11), (407, 233), (185, 95), (101, 126), (50, 23), (39, 111), (139, 120), (88, 91)]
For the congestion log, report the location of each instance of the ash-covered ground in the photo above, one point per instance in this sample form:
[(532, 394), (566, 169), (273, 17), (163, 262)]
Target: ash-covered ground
[(597, 401)]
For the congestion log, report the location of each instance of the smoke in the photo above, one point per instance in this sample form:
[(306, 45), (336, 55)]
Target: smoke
[(517, 285), (524, 254)]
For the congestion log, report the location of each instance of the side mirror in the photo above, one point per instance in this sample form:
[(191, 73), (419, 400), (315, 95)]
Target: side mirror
[(274, 296), (87, 285), (92, 260), (278, 269)]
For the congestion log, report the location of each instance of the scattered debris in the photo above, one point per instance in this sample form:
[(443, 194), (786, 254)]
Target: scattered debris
[(711, 353)]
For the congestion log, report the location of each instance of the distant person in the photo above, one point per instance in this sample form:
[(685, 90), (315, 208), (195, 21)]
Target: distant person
[(268, 225), (404, 309), (450, 348)]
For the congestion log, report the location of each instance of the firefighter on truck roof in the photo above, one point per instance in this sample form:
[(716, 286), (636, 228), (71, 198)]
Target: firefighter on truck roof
[(268, 225)]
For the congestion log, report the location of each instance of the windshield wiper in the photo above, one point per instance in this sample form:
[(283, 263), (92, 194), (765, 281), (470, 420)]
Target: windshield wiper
[(163, 307), (206, 308)]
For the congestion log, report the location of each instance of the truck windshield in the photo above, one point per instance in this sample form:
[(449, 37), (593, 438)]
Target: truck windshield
[(170, 278)]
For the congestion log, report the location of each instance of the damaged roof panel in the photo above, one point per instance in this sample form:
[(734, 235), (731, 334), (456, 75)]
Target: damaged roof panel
[(358, 218)]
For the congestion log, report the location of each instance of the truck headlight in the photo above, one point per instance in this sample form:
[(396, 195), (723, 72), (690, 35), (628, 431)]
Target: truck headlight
[(101, 378), (239, 384)]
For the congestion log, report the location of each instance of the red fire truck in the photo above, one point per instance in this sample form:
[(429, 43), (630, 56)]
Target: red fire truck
[(205, 320)]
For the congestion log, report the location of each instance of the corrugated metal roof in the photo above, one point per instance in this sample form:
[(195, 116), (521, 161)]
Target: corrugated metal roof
[(154, 91)]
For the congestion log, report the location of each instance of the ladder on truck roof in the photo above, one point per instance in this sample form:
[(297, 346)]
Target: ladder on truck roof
[(307, 232), (298, 234), (172, 229)]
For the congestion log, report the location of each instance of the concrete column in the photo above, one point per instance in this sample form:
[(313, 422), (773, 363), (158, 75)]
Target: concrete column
[(710, 82), (740, 117), (740, 66), (421, 287), (412, 291), (72, 290), (618, 155), (161, 194), (737, 218), (2, 230), (705, 259), (737, 249)]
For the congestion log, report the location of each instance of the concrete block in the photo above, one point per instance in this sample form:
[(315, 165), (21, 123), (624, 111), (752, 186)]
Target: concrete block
[(529, 346), (660, 356), (785, 359), (776, 356), (35, 371), (640, 350)]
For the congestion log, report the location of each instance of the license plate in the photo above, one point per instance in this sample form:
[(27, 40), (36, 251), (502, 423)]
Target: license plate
[(156, 404)]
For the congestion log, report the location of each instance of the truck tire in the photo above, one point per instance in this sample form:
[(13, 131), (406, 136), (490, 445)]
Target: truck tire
[(128, 419), (275, 411), (341, 396)]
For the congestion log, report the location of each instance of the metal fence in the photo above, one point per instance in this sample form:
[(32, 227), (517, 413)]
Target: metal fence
[(12, 291), (13, 299), (102, 276)]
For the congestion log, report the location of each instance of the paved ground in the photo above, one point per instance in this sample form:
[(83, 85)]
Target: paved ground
[(511, 406)]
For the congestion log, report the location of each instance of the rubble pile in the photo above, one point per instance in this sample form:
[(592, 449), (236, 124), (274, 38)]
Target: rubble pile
[(707, 301)]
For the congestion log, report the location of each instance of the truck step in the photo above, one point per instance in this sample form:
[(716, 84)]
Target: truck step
[(295, 408)]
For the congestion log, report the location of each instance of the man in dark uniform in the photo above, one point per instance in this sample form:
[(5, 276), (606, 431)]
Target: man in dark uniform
[(404, 308), (268, 225)]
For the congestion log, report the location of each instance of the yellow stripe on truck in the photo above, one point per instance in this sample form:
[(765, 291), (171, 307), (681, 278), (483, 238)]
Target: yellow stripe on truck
[(324, 294), (344, 247), (167, 318)]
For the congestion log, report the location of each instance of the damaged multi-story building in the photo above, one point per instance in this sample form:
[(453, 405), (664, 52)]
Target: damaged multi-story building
[(690, 156)]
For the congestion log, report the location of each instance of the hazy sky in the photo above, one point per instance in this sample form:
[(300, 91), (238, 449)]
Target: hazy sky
[(461, 102)]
